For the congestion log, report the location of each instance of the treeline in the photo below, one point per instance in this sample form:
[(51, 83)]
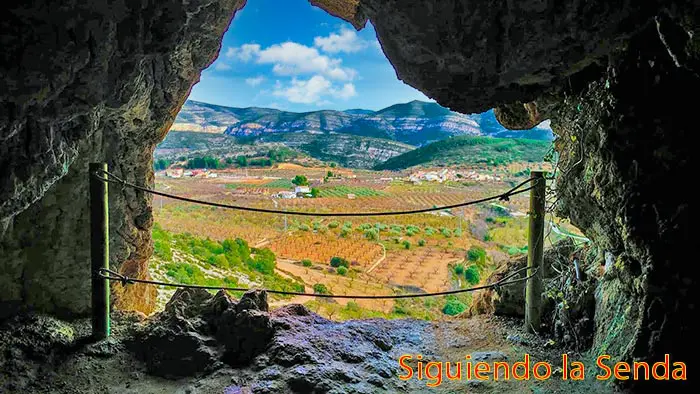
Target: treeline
[(273, 156)]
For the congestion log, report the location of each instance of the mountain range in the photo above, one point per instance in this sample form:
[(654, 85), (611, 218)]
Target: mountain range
[(415, 123)]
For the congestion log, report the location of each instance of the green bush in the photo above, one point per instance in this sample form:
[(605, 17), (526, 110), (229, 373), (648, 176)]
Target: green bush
[(476, 254), (458, 232), (339, 262), (320, 288), (429, 231), (304, 227), (333, 224), (471, 274), (342, 270), (306, 263), (446, 232), (454, 307), (459, 269), (372, 234), (406, 244), (264, 261), (421, 242)]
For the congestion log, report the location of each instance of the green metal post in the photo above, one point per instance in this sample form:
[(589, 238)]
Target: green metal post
[(99, 250), (535, 254)]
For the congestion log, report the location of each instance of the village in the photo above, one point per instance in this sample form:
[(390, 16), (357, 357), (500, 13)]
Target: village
[(326, 177)]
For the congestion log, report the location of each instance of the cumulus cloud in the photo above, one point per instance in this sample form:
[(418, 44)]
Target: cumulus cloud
[(345, 41), (293, 59), (315, 90), (245, 52), (221, 66), (255, 81)]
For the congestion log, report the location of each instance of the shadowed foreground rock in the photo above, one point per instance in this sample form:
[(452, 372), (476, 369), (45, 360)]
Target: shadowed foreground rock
[(290, 349)]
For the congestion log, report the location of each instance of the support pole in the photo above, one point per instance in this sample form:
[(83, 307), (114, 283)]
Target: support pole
[(99, 250), (535, 254)]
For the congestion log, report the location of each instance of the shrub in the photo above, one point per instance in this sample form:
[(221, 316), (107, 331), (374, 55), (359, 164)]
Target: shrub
[(421, 242), (264, 261), (372, 234), (458, 232), (471, 274), (454, 307), (446, 232), (406, 244), (338, 262), (487, 237), (161, 248), (476, 254), (333, 224), (459, 269), (341, 270), (304, 227), (320, 288), (300, 180), (352, 306), (219, 261), (306, 263), (429, 231)]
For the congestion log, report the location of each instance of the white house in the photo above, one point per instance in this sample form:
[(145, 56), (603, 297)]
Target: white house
[(302, 189), (287, 195)]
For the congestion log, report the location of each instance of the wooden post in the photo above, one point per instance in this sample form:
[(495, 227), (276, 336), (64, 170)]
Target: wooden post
[(99, 250), (535, 253)]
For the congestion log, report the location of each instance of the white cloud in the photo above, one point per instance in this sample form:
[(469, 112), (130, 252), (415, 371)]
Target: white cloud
[(346, 92), (255, 81), (313, 91), (345, 41), (221, 66), (245, 52), (292, 59)]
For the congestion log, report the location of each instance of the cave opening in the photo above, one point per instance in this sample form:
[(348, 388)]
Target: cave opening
[(104, 82)]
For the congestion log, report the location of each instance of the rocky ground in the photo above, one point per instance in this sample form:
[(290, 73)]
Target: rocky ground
[(205, 343)]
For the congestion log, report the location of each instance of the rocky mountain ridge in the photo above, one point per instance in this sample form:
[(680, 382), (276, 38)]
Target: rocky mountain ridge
[(415, 123)]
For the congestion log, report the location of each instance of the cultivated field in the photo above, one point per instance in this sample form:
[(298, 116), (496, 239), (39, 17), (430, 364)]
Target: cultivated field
[(426, 252)]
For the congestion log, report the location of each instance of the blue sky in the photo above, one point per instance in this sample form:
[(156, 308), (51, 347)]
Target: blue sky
[(293, 56)]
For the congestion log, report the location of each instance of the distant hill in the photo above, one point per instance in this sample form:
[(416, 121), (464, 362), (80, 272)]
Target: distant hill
[(416, 123), (470, 150), (345, 149)]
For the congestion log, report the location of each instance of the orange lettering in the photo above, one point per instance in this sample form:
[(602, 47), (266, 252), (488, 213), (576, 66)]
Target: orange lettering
[(619, 369), (681, 369), (577, 371), (459, 372), (564, 366), (436, 379), (402, 364), (478, 372), (547, 368), (636, 365), (665, 365), (505, 370), (526, 366), (599, 363)]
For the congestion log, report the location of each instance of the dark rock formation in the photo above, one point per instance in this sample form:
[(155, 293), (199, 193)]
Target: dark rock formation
[(626, 159), (83, 82), (473, 55), (197, 331)]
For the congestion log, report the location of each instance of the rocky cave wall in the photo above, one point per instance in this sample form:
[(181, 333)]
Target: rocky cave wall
[(83, 82), (110, 79)]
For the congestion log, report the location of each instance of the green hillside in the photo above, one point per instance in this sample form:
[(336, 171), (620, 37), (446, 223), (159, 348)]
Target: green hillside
[(470, 150)]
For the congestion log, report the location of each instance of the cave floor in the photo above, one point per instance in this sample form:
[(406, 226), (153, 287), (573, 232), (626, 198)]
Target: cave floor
[(27, 365)]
